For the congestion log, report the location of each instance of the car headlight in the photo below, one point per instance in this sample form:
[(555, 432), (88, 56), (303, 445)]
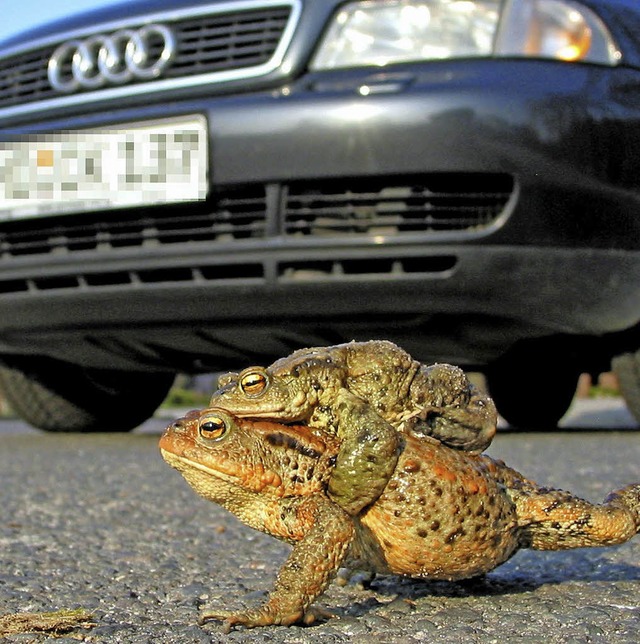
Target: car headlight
[(383, 32)]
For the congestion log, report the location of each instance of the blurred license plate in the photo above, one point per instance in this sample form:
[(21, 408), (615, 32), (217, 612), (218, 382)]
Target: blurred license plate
[(137, 164)]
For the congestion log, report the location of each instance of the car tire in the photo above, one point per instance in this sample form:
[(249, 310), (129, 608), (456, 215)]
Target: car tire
[(627, 368), (60, 397), (530, 391)]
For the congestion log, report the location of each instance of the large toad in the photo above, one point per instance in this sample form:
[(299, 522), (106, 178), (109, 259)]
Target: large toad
[(315, 385), (444, 514)]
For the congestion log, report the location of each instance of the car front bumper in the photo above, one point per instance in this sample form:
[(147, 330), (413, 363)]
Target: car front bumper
[(561, 257)]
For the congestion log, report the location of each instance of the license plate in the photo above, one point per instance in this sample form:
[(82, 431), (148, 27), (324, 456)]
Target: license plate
[(135, 164)]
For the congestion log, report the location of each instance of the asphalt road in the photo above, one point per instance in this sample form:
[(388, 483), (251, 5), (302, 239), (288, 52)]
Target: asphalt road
[(100, 522)]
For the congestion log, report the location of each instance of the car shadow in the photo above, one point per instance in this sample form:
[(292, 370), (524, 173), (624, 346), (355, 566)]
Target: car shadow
[(588, 415)]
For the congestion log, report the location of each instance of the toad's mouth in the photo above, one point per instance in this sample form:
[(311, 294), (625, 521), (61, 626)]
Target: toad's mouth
[(275, 416), (185, 465)]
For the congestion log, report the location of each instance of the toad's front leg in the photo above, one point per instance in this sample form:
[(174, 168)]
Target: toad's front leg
[(311, 566), (369, 452)]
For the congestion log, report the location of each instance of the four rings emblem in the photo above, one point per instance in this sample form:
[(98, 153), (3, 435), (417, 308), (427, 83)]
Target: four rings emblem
[(102, 60)]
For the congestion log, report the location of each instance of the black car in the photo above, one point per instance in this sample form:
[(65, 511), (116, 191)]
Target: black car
[(193, 186)]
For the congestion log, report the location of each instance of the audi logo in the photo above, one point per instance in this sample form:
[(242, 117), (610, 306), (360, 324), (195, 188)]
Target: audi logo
[(112, 59)]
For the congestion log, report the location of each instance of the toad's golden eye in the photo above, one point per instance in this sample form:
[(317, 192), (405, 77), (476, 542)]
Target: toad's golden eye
[(253, 383), (212, 428)]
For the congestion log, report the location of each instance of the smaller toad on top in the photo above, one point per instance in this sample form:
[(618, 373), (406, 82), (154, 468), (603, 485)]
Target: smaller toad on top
[(437, 400)]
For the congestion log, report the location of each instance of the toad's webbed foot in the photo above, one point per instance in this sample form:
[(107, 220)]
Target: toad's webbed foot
[(454, 410), (248, 619), (263, 616)]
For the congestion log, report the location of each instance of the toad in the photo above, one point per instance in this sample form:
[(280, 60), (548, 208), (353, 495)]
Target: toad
[(436, 400), (444, 513), (313, 386)]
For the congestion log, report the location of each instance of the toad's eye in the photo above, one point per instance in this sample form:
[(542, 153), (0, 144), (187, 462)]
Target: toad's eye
[(212, 428), (253, 383)]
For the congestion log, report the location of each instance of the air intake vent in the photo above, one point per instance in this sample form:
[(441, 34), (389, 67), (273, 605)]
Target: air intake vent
[(236, 214), (426, 203), (395, 267)]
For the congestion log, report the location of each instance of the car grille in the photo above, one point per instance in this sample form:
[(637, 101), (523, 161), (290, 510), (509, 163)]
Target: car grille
[(383, 209), (220, 43)]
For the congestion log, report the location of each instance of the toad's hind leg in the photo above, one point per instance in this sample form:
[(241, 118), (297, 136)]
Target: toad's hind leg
[(557, 520)]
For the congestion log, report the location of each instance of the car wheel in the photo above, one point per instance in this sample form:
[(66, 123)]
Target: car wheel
[(61, 397), (530, 391), (627, 369)]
